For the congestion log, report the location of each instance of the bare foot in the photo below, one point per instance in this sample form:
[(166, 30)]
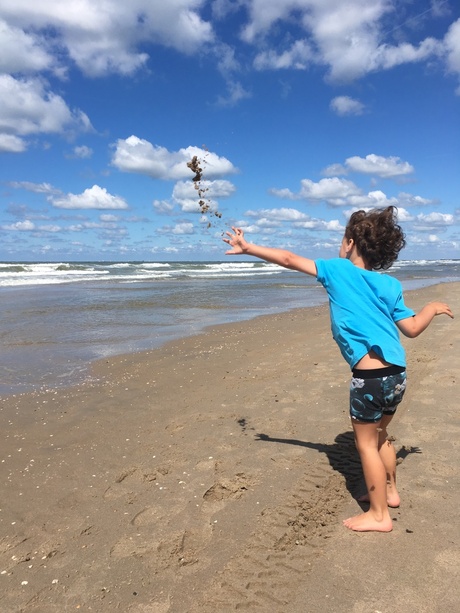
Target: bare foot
[(366, 522), (393, 499)]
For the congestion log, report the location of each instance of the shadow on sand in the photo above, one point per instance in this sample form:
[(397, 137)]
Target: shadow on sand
[(342, 455)]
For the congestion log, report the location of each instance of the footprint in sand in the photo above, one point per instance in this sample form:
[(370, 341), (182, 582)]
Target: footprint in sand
[(133, 479), (227, 489)]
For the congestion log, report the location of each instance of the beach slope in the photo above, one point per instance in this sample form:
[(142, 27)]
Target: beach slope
[(213, 474)]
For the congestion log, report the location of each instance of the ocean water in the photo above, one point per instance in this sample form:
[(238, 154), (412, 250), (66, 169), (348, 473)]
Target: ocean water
[(55, 318)]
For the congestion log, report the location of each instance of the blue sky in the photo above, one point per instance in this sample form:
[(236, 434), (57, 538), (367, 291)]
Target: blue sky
[(301, 110)]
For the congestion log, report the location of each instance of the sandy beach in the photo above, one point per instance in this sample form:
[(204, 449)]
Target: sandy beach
[(213, 475)]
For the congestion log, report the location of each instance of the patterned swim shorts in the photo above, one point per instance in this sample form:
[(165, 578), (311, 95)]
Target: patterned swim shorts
[(373, 397)]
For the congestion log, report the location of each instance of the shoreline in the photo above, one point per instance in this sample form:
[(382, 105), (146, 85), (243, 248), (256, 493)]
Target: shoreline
[(214, 472), (81, 370)]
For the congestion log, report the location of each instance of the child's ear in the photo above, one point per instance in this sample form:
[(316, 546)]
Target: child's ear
[(349, 246)]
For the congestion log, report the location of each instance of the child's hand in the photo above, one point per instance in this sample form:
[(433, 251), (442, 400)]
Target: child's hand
[(442, 309), (236, 241)]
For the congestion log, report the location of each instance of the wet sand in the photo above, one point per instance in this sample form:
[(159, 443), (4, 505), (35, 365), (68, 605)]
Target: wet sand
[(213, 474)]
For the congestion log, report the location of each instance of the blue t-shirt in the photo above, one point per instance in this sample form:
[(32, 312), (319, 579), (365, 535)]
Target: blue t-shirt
[(364, 306)]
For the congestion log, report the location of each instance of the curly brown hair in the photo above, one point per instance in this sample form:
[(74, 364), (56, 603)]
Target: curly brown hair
[(377, 236)]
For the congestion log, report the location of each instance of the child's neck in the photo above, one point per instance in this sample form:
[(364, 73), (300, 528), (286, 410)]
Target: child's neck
[(357, 260)]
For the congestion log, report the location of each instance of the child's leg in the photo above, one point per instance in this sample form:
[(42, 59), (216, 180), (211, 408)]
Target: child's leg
[(375, 474), (388, 456)]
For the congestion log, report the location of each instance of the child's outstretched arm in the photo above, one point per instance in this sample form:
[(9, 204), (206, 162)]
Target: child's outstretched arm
[(413, 326), (281, 257)]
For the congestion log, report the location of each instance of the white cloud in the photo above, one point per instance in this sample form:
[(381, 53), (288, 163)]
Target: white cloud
[(37, 188), (263, 14), (12, 144), (183, 228), (427, 222), (341, 192), (109, 228), (334, 170), (283, 214), (22, 52), (404, 215), (344, 105), (163, 206), (265, 219), (321, 225), (265, 222), (28, 226), (108, 218), (221, 8), (140, 156), (104, 37), (235, 93), (334, 191), (226, 59), (452, 43), (20, 226), (83, 152), (92, 198), (334, 226), (386, 57), (440, 8), (188, 198), (26, 107), (50, 228), (373, 199), (384, 167), (213, 189), (452, 40), (298, 56), (405, 199), (344, 34), (350, 38)]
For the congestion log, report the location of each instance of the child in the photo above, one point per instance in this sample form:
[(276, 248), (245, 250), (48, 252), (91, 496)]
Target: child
[(366, 310)]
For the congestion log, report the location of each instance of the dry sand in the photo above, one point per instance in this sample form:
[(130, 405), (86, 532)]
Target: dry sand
[(213, 474)]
